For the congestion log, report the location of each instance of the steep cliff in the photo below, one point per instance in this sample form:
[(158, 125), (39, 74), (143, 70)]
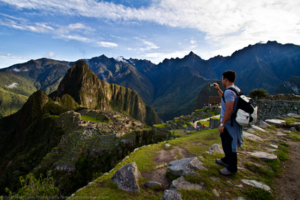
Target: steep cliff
[(89, 91)]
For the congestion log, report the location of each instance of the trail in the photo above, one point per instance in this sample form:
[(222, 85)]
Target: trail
[(288, 185)]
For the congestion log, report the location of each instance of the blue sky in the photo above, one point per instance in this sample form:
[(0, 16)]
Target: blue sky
[(145, 29)]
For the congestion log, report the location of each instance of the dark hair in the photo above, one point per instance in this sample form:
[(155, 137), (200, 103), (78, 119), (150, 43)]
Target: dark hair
[(230, 75)]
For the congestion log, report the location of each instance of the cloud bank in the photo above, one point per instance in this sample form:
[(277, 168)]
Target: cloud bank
[(228, 25)]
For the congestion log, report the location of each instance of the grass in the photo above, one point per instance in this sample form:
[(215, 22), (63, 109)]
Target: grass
[(89, 118), (160, 125), (291, 120), (255, 169), (205, 123)]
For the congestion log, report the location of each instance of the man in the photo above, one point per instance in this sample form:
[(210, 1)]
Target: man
[(230, 131)]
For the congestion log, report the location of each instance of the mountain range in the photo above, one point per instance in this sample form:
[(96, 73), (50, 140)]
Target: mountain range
[(62, 120), (170, 87)]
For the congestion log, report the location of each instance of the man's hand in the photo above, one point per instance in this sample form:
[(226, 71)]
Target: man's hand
[(221, 129), (216, 86)]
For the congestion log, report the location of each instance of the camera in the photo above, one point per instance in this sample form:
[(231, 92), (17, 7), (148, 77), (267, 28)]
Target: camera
[(211, 85)]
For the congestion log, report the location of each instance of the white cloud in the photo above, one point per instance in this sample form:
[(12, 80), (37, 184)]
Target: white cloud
[(13, 85), (9, 56), (23, 25), (106, 44), (149, 45), (193, 41), (49, 54), (228, 25), (75, 37), (159, 57)]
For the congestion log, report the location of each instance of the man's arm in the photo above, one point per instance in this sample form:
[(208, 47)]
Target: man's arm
[(217, 87)]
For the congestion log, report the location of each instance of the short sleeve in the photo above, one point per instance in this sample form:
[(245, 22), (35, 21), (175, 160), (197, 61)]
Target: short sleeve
[(229, 95)]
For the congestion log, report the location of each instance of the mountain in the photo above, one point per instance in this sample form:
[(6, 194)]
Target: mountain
[(19, 81), (89, 91), (260, 65), (205, 93), (45, 134), (170, 87), (290, 86)]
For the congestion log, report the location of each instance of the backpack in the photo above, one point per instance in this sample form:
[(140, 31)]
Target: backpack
[(245, 113)]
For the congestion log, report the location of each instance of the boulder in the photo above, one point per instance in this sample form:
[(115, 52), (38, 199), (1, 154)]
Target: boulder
[(258, 128), (182, 184), (295, 124), (189, 172), (293, 129), (216, 148), (256, 184), (153, 184), (293, 115), (171, 195), (263, 124), (251, 136), (196, 164), (264, 156), (127, 178), (177, 167), (274, 146), (276, 122)]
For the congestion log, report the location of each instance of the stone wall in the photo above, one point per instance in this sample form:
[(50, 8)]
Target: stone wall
[(270, 109), (214, 123)]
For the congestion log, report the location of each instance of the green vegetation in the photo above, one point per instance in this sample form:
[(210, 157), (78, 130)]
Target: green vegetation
[(24, 152), (290, 120), (160, 125), (32, 187), (89, 118), (258, 93)]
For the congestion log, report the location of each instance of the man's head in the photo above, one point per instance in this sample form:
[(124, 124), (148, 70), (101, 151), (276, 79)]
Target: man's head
[(228, 78)]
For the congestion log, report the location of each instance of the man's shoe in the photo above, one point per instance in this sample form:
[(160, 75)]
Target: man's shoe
[(219, 161), (225, 172)]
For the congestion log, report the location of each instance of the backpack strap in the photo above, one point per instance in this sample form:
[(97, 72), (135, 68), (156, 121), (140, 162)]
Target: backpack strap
[(232, 89), (237, 94)]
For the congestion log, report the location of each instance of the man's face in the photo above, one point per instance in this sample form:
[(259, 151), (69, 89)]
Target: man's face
[(223, 81)]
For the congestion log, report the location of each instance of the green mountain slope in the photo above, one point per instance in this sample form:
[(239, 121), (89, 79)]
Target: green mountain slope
[(205, 93), (290, 86), (20, 81), (10, 102), (178, 94), (89, 91)]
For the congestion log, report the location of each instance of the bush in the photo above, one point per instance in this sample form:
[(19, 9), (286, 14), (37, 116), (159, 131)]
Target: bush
[(35, 187), (259, 93)]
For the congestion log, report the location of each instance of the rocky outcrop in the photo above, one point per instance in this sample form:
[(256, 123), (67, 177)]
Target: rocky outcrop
[(215, 148), (264, 156), (276, 122), (256, 184), (251, 136), (127, 178), (182, 184), (171, 195), (89, 91)]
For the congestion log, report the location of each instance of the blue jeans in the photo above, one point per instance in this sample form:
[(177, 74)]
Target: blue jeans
[(230, 157)]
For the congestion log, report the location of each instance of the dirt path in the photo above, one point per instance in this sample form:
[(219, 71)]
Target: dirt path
[(207, 119), (288, 185)]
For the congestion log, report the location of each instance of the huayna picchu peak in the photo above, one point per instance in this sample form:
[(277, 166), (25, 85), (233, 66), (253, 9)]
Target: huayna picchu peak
[(89, 91)]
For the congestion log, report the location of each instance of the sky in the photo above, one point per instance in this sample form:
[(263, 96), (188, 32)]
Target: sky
[(143, 29)]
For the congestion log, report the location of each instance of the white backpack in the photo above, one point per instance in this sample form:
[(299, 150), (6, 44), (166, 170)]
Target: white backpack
[(245, 113)]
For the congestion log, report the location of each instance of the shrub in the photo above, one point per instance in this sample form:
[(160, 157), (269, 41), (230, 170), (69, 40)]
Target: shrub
[(35, 187), (259, 93)]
